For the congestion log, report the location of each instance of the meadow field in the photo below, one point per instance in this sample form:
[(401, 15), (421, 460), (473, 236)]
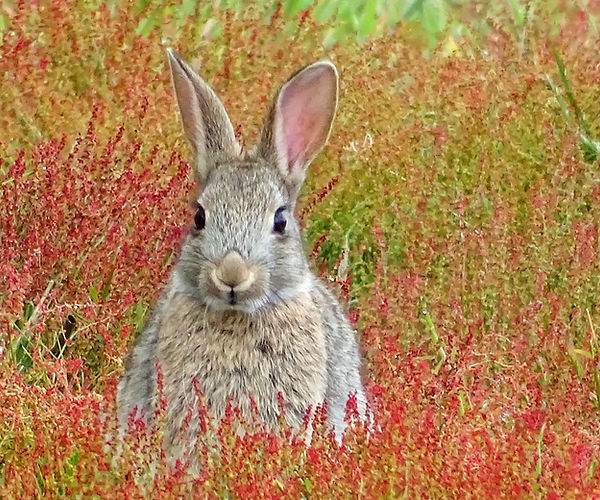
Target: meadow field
[(455, 208)]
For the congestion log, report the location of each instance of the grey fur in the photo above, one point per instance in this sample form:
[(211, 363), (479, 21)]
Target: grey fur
[(284, 332)]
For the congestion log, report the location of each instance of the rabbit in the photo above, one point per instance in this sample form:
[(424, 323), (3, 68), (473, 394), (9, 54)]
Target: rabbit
[(242, 315)]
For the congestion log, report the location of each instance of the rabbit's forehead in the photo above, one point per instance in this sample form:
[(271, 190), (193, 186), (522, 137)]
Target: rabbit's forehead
[(251, 190)]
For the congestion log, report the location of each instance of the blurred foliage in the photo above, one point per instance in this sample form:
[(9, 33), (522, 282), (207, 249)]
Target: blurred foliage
[(433, 20), (358, 20)]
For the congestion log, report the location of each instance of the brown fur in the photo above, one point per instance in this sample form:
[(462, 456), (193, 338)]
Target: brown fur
[(234, 356)]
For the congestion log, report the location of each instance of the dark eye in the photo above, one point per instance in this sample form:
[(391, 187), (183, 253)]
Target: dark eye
[(200, 218), (279, 221)]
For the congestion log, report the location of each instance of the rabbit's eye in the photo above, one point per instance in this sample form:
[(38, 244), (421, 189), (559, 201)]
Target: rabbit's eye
[(279, 221), (200, 218)]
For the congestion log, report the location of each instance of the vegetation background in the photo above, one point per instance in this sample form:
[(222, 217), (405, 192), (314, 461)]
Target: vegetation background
[(456, 208)]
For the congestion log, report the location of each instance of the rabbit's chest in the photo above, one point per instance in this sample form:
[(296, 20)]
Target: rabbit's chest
[(240, 358)]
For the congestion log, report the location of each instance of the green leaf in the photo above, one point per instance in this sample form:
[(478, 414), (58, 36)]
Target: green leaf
[(187, 8), (307, 484), (39, 477), (3, 27), (19, 352), (429, 322), (146, 25), (324, 10), (28, 309), (540, 440), (414, 10), (94, 294), (292, 7), (440, 357), (518, 12), (368, 18), (592, 468), (106, 288), (584, 353), (71, 463), (140, 313), (589, 148), (562, 69), (434, 19), (576, 364), (18, 325), (141, 4), (347, 16)]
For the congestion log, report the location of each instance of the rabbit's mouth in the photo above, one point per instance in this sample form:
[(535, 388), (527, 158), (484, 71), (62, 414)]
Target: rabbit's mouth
[(234, 303), (233, 297)]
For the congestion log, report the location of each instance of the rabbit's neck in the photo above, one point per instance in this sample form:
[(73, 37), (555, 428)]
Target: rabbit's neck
[(236, 356)]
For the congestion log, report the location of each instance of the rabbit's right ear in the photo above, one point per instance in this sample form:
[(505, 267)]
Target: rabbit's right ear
[(299, 122), (205, 121)]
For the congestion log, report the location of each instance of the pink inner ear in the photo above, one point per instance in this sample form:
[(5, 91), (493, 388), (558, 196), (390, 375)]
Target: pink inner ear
[(306, 106)]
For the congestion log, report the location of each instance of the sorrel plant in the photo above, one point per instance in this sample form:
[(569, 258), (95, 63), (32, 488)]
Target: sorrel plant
[(454, 208)]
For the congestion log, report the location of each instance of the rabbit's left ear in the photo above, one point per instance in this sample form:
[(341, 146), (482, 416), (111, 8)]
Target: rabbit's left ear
[(300, 121)]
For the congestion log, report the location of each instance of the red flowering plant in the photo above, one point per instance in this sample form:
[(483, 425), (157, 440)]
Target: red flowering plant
[(456, 208)]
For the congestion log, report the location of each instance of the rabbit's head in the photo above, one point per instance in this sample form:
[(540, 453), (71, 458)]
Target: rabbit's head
[(244, 249)]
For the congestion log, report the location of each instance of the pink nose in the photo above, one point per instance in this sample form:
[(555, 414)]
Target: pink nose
[(233, 270)]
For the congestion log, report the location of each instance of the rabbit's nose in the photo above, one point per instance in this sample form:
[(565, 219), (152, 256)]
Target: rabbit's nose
[(233, 270)]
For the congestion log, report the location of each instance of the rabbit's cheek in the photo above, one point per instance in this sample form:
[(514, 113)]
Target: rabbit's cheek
[(257, 288)]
